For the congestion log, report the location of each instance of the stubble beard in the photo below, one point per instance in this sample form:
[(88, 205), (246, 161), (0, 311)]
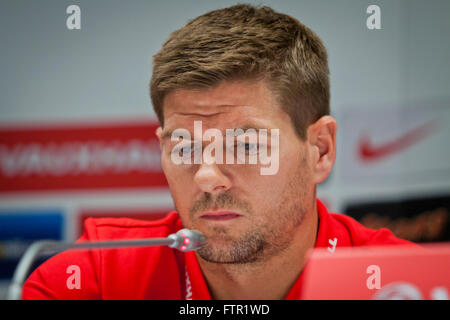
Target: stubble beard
[(264, 239)]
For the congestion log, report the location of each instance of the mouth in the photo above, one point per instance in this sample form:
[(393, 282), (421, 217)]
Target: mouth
[(220, 215)]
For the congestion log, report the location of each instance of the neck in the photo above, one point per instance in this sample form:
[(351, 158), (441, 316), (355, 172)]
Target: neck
[(267, 280)]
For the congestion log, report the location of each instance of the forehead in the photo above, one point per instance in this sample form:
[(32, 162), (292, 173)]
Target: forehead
[(227, 105)]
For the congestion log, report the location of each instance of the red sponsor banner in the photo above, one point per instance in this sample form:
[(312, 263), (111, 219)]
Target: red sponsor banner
[(80, 156)]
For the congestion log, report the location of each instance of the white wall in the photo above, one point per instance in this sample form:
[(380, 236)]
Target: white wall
[(102, 70)]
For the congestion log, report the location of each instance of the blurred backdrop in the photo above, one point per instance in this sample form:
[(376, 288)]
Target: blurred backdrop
[(77, 126)]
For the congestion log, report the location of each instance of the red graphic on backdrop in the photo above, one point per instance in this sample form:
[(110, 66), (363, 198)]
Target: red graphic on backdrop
[(77, 157), (368, 152)]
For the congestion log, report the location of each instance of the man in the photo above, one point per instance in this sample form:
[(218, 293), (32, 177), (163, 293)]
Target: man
[(237, 68)]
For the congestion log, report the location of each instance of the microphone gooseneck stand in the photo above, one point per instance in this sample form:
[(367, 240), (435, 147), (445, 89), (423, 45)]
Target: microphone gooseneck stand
[(184, 240)]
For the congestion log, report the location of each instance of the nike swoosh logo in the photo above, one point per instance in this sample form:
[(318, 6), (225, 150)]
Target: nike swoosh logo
[(368, 152)]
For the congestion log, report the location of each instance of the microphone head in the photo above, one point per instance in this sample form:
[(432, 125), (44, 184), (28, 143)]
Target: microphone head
[(187, 240)]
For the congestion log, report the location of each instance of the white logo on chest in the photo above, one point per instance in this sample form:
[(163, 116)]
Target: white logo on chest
[(333, 244)]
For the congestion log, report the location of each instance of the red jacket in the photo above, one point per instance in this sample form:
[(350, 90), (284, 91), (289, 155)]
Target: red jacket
[(162, 272)]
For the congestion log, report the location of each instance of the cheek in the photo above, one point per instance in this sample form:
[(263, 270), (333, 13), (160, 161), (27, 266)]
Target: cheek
[(291, 180), (178, 181), (172, 171), (265, 192)]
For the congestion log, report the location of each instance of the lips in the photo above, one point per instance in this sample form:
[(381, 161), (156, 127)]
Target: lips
[(220, 215)]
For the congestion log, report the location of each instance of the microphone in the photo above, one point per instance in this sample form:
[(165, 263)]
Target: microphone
[(183, 240)]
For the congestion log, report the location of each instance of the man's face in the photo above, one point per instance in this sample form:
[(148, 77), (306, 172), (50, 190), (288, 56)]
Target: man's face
[(244, 215)]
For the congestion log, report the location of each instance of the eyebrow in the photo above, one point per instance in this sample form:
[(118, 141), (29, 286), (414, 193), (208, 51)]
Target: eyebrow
[(168, 133), (249, 127)]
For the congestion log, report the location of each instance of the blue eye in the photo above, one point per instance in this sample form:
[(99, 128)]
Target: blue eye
[(186, 149), (250, 148), (183, 151)]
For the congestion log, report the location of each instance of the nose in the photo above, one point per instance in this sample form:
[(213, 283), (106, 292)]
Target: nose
[(211, 179)]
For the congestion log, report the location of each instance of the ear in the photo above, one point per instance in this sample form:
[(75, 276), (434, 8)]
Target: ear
[(322, 142), (158, 134)]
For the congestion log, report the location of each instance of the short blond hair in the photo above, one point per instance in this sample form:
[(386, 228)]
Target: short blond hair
[(244, 42)]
